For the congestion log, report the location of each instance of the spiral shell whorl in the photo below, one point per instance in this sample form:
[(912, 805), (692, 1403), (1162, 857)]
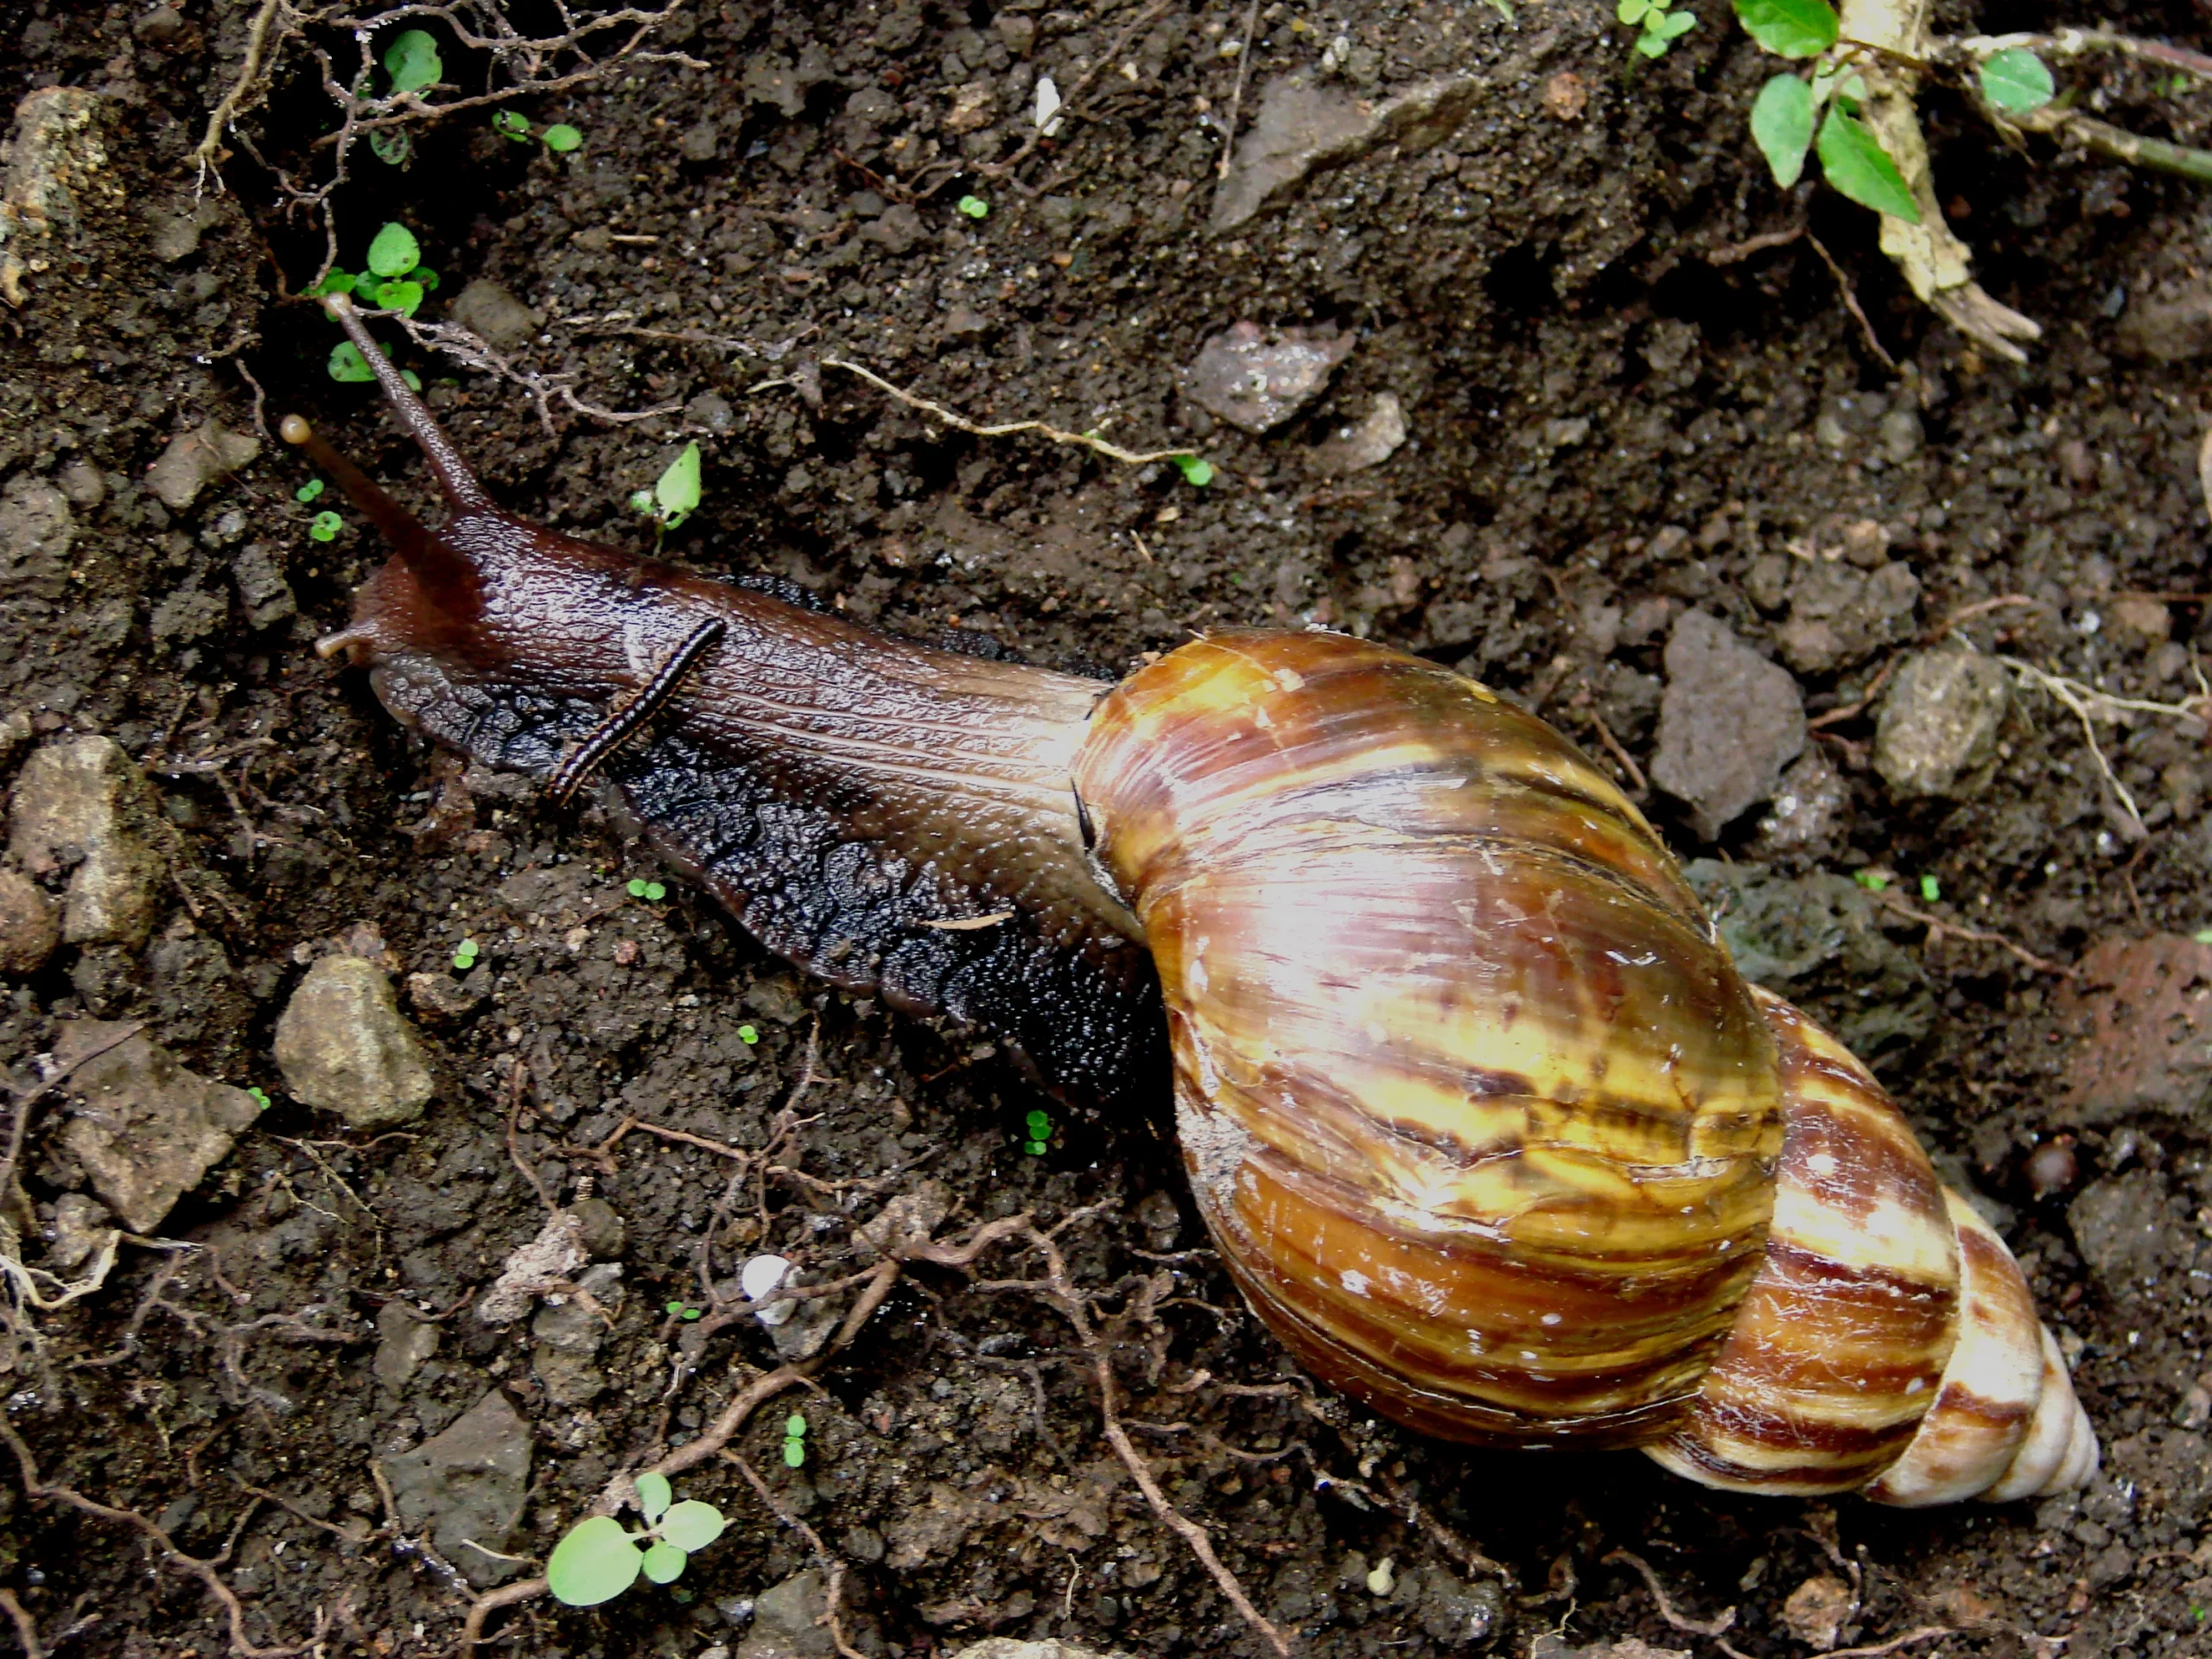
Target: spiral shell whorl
[(1478, 1111)]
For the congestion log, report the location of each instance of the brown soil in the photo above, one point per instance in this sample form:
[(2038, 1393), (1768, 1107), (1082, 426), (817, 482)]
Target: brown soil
[(1607, 424)]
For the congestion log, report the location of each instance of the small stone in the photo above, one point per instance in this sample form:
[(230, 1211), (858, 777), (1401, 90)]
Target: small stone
[(174, 230), (1940, 722), (963, 323), (2168, 327), (263, 590), (1810, 806), (570, 1331), (1258, 379), (603, 1233), (30, 925), (1629, 1647), (1565, 96), (81, 1228), (145, 1129), (1839, 616), (84, 801), (701, 142), (974, 106), (196, 459), (84, 484), (548, 1262), (489, 309), (786, 1621), (439, 998), (1729, 723), (55, 160), (345, 1047), (159, 27), (1816, 1609), (1020, 33), (2119, 1226), (1901, 437), (466, 1487), (1369, 442), (2140, 1011), (404, 1342), (36, 531), (1298, 129), (2137, 622)]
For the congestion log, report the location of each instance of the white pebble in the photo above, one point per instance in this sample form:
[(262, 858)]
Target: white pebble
[(762, 1276)]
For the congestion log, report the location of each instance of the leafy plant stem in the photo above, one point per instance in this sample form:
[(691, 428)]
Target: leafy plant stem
[(2155, 154)]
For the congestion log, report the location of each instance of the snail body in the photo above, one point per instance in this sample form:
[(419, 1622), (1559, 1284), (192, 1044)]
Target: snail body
[(1484, 1122)]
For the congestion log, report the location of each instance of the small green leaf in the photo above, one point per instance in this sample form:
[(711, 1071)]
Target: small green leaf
[(515, 126), (664, 1563), (748, 1035), (653, 1495), (561, 138), (325, 526), (655, 892), (347, 363), (1873, 880), (1782, 126), (391, 146), (1632, 11), (423, 275), (676, 491), (1930, 888), (691, 1525), (402, 297), (794, 1453), (394, 252), (412, 61), (309, 490), (337, 281), (1651, 44), (795, 1426), (595, 1562), (1036, 1148), (408, 378), (641, 501), (1040, 1125), (1195, 469), (260, 1097), (365, 285), (1856, 164), (2202, 936), (636, 889), (1670, 25), (2016, 81), (1789, 28), (974, 207)]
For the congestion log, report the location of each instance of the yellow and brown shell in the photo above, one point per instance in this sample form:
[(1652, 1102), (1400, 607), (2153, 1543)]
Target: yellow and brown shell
[(1488, 1128)]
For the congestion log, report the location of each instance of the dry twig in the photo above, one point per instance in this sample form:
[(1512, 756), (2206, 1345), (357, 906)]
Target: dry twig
[(1081, 440)]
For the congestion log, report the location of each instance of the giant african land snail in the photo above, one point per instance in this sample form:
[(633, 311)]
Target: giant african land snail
[(1481, 1117)]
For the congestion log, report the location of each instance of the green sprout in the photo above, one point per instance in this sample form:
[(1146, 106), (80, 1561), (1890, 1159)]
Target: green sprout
[(260, 1097), (974, 207), (325, 526), (1660, 27), (2202, 936), (1930, 889), (1197, 470), (749, 1036), (309, 490), (794, 1440), (412, 61), (464, 955), (561, 138), (599, 1558), (682, 1310), (1873, 880), (674, 495), (651, 891), (2016, 81), (1039, 1138)]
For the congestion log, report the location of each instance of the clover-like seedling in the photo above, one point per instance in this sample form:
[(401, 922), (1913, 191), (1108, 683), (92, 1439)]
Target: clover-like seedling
[(1661, 27), (675, 495), (1039, 1140), (794, 1440), (684, 1311), (464, 955), (1197, 470), (560, 138), (325, 526), (973, 207), (259, 1096), (600, 1558), (748, 1035), (651, 891), (309, 490), (1930, 889)]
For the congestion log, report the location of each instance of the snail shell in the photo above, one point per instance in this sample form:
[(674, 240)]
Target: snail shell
[(1485, 1123), (1491, 1132)]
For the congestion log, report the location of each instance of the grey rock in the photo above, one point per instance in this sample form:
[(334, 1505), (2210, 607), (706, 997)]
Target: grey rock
[(145, 1129), (1729, 723), (86, 801), (1368, 442), (1839, 616), (785, 1622), (1299, 128), (56, 160), (1940, 722), (2168, 327), (84, 484), (30, 925), (263, 590), (196, 459), (1809, 805), (466, 1487), (345, 1047), (602, 1234), (404, 1342), (546, 1263), (490, 310), (2121, 1226), (1901, 435), (36, 531), (1258, 379), (1005, 1647), (569, 1333), (80, 1230)]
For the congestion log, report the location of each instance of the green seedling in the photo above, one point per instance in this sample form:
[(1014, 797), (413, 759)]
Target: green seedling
[(1197, 470), (464, 955), (794, 1440), (309, 490), (651, 891), (2016, 81), (974, 207), (748, 1035), (2202, 936), (1660, 26), (684, 1311), (1039, 1138), (325, 526), (675, 494), (560, 138), (599, 1558), (412, 61), (1930, 889), (259, 1096), (1873, 880)]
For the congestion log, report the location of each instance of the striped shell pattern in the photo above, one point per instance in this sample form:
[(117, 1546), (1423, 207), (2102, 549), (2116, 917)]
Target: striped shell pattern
[(1488, 1128)]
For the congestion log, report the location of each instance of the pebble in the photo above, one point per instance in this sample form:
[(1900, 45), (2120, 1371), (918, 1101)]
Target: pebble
[(56, 155), (503, 320), (1258, 379), (1818, 1609), (81, 1229), (344, 1046), (35, 529), (2119, 1226), (1939, 723), (146, 1130), (30, 925), (404, 1342), (1368, 442), (196, 459), (85, 800), (1809, 805), (2137, 622), (466, 1487), (1729, 722), (2140, 1011), (569, 1333), (785, 1621), (1299, 128), (1839, 616), (2172, 327)]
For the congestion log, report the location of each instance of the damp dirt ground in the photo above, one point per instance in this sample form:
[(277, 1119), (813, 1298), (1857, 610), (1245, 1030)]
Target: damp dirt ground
[(1614, 410)]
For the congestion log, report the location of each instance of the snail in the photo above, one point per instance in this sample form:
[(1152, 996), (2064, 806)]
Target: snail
[(1484, 1121)]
